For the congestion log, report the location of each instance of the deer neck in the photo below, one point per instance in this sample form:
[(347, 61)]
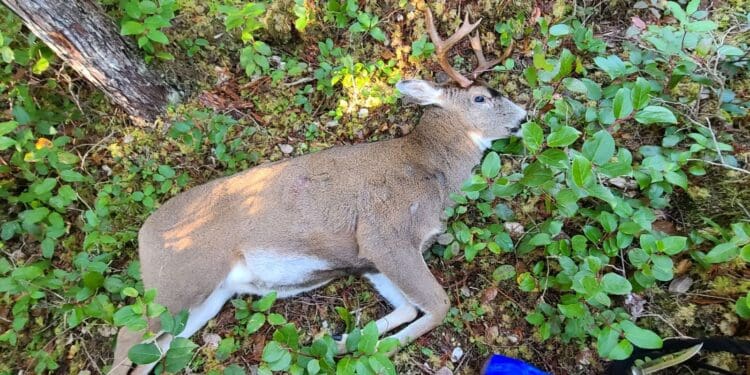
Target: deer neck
[(442, 142)]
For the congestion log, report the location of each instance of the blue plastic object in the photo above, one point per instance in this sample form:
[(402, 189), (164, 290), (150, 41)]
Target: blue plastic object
[(502, 365)]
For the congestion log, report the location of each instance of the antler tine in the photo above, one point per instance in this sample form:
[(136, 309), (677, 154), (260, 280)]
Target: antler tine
[(482, 64), (443, 46)]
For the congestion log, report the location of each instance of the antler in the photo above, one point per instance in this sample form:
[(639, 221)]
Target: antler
[(482, 64), (443, 46)]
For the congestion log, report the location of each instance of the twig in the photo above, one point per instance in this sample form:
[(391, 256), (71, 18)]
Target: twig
[(667, 322), (721, 165), (716, 142), (299, 81), (91, 359)]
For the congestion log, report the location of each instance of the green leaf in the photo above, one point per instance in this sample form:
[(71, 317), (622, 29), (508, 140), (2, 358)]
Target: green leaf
[(132, 28), (641, 93), (613, 283), (536, 174), (722, 253), (40, 66), (158, 37), (743, 307), (6, 142), (655, 114), (313, 367), (179, 354), (562, 137), (663, 267), (622, 350), (555, 158), (677, 11), (34, 216), (612, 65), (606, 341), (559, 30), (142, 354), (235, 369), (642, 338), (677, 178), (7, 127), (600, 148), (533, 136), (491, 165), (672, 245), (504, 272), (369, 339), (581, 171), (573, 310), (71, 176), (7, 54), (45, 186), (255, 322), (377, 34), (48, 247), (265, 303), (622, 105)]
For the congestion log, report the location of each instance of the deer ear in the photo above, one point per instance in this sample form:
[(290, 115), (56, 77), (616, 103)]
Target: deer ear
[(420, 92)]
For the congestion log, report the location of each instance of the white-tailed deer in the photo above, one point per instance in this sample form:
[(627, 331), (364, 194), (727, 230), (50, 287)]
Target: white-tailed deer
[(294, 225)]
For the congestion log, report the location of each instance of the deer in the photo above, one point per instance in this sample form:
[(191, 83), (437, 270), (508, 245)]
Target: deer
[(292, 226)]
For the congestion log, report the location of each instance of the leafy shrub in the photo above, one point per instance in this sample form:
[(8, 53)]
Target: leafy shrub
[(145, 20)]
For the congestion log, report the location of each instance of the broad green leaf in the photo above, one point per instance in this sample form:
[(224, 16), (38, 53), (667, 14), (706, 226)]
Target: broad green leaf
[(655, 114), (743, 307), (672, 245), (562, 137), (504, 272), (701, 26), (142, 354), (606, 341), (559, 30), (613, 283), (7, 127), (533, 136), (581, 171), (45, 186), (642, 338), (677, 11), (621, 351), (179, 354), (555, 158), (640, 93), (255, 322), (158, 37), (612, 65), (491, 165), (235, 369), (600, 148), (536, 174), (722, 253), (132, 28), (265, 303), (622, 106), (369, 339)]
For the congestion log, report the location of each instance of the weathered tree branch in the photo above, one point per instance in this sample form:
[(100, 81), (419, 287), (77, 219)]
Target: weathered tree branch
[(86, 39)]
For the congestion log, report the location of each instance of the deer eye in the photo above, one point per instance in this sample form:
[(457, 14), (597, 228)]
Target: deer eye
[(479, 99)]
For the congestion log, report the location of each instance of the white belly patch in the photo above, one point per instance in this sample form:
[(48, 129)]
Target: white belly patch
[(266, 271)]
